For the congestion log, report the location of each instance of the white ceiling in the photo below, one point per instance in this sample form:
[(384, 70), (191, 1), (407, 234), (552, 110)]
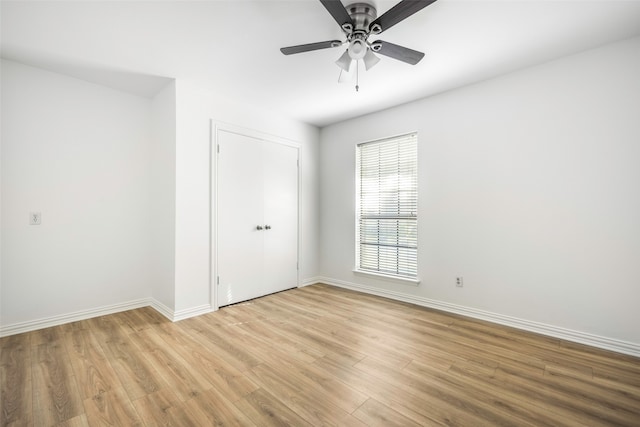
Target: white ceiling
[(233, 46)]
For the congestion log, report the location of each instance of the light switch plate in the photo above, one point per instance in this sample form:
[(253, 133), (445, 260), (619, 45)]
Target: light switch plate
[(35, 218)]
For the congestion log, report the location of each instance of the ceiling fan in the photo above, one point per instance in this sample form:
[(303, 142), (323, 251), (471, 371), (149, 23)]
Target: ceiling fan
[(358, 22)]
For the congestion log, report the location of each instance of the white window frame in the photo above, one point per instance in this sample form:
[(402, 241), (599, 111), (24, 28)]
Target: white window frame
[(395, 217)]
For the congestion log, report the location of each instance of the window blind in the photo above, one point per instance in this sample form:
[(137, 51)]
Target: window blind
[(387, 206)]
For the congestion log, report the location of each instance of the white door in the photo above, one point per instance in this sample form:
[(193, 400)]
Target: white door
[(280, 216), (257, 217)]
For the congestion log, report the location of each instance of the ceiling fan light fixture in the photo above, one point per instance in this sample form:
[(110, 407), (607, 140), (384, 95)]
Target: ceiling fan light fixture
[(344, 61), (370, 59), (357, 49)]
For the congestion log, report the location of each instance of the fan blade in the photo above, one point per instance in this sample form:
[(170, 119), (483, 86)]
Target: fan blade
[(309, 47), (337, 10), (400, 53), (398, 13)]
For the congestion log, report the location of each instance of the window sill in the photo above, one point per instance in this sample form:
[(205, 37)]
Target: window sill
[(398, 279)]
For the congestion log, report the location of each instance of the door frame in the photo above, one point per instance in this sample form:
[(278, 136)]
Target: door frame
[(215, 127)]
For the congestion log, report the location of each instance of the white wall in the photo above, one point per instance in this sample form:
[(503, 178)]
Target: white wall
[(529, 189), (196, 106), (162, 213), (79, 154)]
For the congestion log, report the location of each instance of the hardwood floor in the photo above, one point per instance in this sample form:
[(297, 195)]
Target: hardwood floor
[(318, 355)]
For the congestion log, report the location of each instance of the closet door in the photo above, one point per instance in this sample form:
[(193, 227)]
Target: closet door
[(239, 210), (280, 216), (257, 218)]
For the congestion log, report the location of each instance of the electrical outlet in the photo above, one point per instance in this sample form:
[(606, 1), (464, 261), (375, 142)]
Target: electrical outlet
[(35, 218), (459, 282)]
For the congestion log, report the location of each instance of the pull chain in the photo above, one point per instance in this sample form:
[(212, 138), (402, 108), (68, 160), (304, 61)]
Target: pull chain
[(357, 75)]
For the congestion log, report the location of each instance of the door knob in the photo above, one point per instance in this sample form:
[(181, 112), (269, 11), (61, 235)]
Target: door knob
[(267, 227), (259, 227)]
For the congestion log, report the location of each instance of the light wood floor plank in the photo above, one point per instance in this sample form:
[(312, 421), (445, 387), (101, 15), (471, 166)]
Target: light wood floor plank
[(466, 398), (266, 333), (111, 408), (265, 409), (307, 375), (183, 379), (312, 406), (90, 365), (16, 398), (224, 345), (212, 408), (422, 408), (135, 373), (163, 408), (79, 421), (220, 374), (351, 421), (56, 397), (374, 413)]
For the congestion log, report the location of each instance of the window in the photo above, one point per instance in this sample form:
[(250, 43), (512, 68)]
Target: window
[(387, 207)]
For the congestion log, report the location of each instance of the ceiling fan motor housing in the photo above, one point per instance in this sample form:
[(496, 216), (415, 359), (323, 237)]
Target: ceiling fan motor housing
[(362, 15)]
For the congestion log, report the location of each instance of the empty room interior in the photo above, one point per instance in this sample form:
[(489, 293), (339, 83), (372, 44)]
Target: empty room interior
[(315, 212)]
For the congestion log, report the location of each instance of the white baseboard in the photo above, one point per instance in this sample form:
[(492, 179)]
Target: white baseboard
[(310, 281), (162, 309), (191, 312), (47, 322), (618, 346), (33, 325)]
